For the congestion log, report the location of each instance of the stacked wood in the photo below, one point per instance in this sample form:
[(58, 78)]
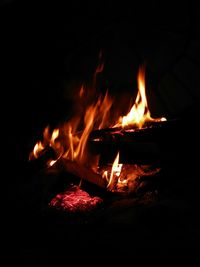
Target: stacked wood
[(156, 131), (154, 143)]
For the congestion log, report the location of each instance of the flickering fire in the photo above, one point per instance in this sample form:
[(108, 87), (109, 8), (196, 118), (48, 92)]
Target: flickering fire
[(95, 117), (126, 178), (116, 170), (70, 139), (37, 149), (139, 113)]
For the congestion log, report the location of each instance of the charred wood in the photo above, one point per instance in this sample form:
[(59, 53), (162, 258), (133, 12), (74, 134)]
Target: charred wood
[(153, 132), (40, 163), (81, 171), (158, 143)]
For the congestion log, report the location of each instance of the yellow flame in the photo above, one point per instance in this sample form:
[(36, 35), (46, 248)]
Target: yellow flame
[(139, 113), (37, 149), (40, 145), (55, 135), (116, 170), (73, 135), (70, 140), (95, 118), (89, 120), (52, 162)]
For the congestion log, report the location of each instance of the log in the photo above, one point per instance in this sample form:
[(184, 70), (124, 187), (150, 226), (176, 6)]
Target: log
[(155, 144), (37, 164), (81, 171), (156, 131), (78, 170)]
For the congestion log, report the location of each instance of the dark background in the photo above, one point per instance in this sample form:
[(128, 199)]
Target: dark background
[(48, 50)]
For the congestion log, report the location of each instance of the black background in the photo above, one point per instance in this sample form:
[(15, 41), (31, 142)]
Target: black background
[(48, 50)]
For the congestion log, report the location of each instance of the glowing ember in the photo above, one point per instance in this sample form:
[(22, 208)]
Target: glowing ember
[(75, 200), (126, 178)]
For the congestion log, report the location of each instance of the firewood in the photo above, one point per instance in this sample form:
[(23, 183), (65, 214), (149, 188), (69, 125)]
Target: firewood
[(37, 164), (81, 171), (149, 145), (156, 131)]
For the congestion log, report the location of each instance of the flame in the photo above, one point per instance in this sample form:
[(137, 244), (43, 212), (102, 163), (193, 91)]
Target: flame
[(81, 92), (139, 113), (70, 139), (40, 145), (77, 145), (52, 162), (37, 149), (115, 171)]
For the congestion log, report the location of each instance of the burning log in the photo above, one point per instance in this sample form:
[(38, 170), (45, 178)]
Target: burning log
[(39, 163), (155, 131), (82, 172), (129, 178), (150, 144)]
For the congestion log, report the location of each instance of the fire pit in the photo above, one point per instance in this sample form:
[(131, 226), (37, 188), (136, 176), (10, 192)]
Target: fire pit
[(73, 149)]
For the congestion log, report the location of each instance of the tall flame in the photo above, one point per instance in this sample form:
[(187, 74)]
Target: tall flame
[(70, 139), (139, 113)]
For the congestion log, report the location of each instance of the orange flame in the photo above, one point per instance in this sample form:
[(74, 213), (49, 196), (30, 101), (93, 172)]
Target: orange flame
[(37, 149), (70, 139), (81, 92), (139, 113), (40, 146)]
